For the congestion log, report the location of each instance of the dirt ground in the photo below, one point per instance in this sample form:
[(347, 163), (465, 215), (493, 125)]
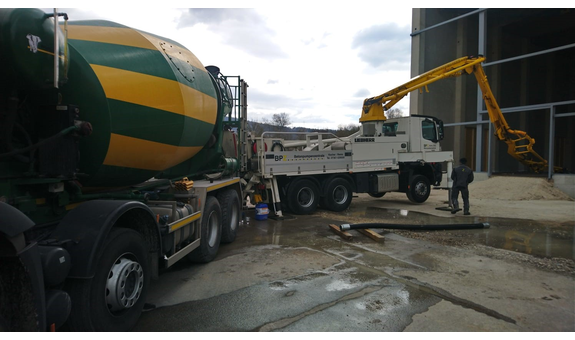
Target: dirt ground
[(505, 197)]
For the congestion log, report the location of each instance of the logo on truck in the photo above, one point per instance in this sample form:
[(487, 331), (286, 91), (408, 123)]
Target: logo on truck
[(33, 41)]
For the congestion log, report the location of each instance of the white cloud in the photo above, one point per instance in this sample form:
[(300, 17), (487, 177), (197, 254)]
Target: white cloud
[(384, 45), (243, 28), (316, 61)]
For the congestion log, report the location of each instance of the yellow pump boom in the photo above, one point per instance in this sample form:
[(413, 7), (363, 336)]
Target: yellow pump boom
[(519, 143)]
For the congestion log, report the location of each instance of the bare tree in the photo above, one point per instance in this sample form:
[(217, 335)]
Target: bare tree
[(346, 130), (281, 119), (394, 113)]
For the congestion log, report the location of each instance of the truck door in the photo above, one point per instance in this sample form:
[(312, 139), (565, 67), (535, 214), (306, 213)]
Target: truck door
[(429, 135)]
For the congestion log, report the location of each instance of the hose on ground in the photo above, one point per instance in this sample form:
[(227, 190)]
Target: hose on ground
[(458, 226)]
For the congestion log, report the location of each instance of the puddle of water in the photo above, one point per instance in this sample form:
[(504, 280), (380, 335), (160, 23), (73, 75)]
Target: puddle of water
[(525, 236)]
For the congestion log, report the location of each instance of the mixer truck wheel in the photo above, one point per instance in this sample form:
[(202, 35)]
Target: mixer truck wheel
[(419, 189), (230, 204), (113, 300), (17, 311), (303, 196), (210, 233), (4, 326), (338, 195)]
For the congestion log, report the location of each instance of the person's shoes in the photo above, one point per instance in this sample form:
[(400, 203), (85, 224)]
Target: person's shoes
[(467, 213), (455, 210)]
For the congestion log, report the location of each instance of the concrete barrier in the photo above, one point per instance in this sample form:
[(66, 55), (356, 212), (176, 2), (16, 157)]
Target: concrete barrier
[(565, 183)]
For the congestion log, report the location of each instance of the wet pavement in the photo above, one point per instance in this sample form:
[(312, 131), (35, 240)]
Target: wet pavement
[(547, 239), (296, 275)]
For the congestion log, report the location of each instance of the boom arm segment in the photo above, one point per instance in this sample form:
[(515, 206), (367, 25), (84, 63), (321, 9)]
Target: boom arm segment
[(519, 143), (373, 108)]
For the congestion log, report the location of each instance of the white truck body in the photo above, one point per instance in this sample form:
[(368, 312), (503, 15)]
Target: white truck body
[(371, 160)]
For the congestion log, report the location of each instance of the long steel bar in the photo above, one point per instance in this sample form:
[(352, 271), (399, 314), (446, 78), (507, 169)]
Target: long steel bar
[(447, 21)]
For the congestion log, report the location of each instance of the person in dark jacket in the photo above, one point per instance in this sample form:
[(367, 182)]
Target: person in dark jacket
[(461, 176)]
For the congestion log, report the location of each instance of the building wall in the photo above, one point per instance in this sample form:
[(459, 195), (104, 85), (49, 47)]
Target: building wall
[(531, 79)]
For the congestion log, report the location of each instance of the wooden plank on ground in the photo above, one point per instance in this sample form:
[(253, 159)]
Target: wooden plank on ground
[(372, 235), (343, 234)]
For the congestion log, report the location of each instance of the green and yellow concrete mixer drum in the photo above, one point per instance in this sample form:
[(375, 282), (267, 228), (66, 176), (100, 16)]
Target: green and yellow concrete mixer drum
[(151, 103)]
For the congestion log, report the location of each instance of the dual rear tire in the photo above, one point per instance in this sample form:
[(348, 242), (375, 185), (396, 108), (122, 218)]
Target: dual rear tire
[(220, 223), (338, 194), (304, 195)]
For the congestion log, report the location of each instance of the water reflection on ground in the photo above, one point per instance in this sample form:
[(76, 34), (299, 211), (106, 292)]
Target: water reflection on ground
[(525, 236)]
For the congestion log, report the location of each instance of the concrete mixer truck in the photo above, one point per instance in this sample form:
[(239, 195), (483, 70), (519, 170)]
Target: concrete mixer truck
[(118, 157)]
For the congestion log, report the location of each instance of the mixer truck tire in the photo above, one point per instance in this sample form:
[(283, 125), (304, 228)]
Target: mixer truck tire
[(419, 189), (210, 233), (4, 326), (113, 299), (17, 310), (303, 196), (230, 204), (338, 195)]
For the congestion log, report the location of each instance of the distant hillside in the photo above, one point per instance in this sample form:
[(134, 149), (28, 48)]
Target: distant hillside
[(258, 128)]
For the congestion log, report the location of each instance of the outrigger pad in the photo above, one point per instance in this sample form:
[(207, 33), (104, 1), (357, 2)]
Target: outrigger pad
[(281, 218)]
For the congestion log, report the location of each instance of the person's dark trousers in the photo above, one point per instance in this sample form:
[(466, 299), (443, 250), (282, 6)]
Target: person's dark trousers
[(455, 198)]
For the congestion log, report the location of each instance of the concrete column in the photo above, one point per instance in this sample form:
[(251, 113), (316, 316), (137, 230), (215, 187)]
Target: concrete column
[(417, 56)]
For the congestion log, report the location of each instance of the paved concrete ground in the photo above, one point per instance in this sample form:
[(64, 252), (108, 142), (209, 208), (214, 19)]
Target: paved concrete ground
[(296, 275)]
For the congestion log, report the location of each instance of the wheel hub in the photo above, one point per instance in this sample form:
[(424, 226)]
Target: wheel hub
[(421, 189), (124, 285), (340, 194), (305, 197)]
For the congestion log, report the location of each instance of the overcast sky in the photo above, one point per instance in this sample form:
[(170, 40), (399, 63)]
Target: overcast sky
[(314, 60)]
